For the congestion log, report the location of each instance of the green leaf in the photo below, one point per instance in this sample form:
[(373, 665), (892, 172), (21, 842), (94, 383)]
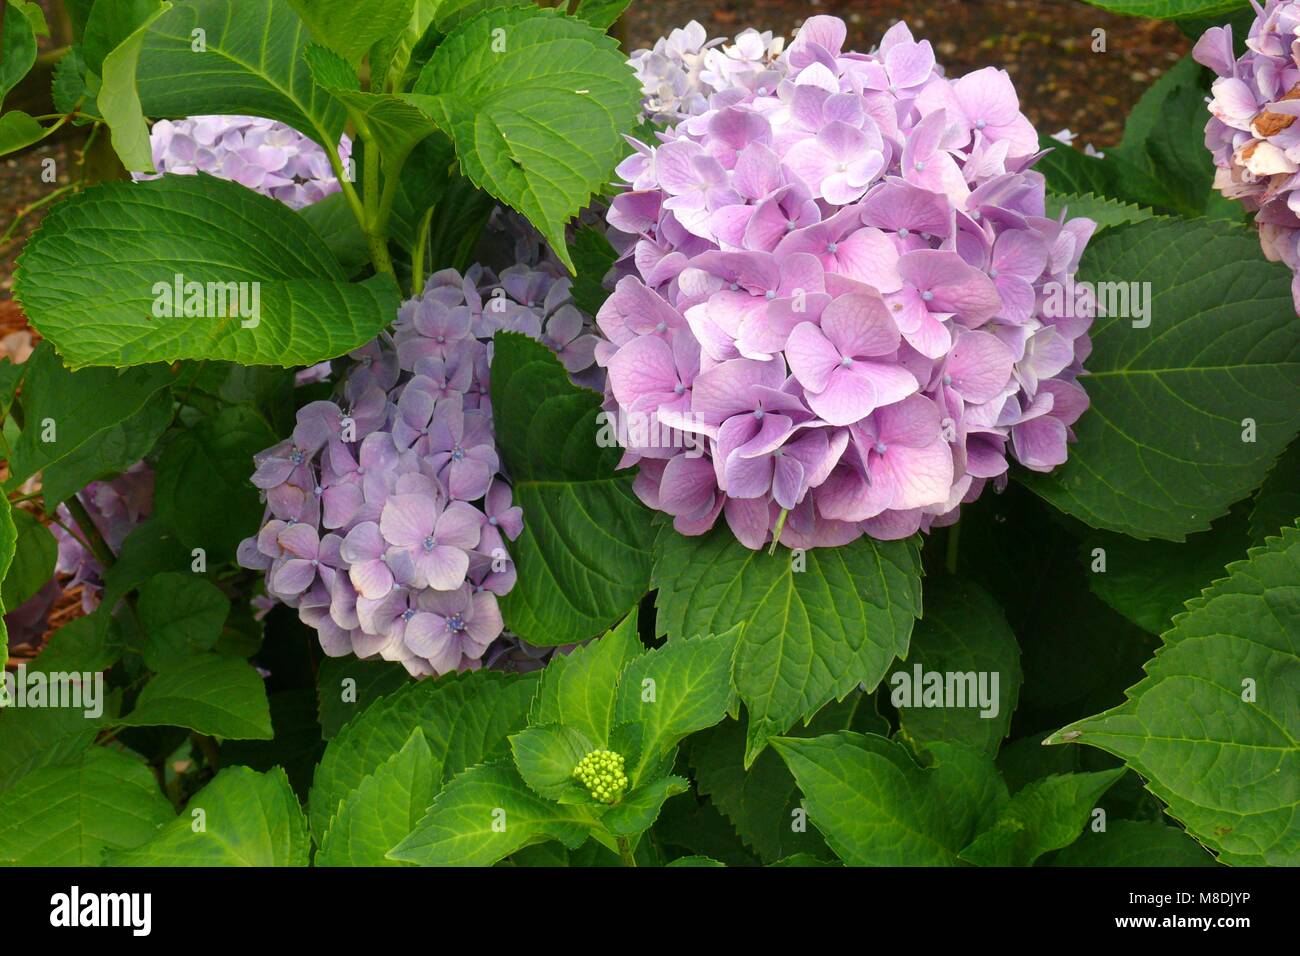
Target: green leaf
[(297, 745), (537, 104), (98, 308), (151, 548), (18, 131), (109, 452), (85, 644), (877, 807), (251, 64), (761, 802), (584, 554), (465, 717), (70, 814), (109, 25), (17, 49), (639, 809), (345, 686), (1277, 503), (546, 756), (593, 257), (8, 547), (1133, 843), (810, 636), (350, 27), (208, 693), (486, 813), (1212, 728), (248, 819), (1161, 452), (333, 220), (1044, 815), (31, 548), (674, 691), (1168, 9), (34, 737), (394, 125), (601, 13), (201, 486), (1150, 581), (580, 689), (383, 810), (181, 615), (1104, 212), (66, 413), (962, 632)]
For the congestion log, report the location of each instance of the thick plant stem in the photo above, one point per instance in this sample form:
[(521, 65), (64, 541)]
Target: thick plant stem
[(625, 852), (98, 546), (374, 219), (421, 250)]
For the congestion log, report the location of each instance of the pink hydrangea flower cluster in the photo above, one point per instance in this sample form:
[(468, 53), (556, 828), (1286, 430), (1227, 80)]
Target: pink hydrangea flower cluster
[(833, 319), (1252, 131), (268, 157), (388, 512)]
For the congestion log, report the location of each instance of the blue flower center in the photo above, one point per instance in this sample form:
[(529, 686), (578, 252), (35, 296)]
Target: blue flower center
[(758, 414), (927, 296), (846, 362), (457, 453), (947, 380), (408, 614), (904, 233), (734, 287), (920, 166), (679, 388), (769, 294), (993, 273), (297, 456), (492, 520), (881, 448), (427, 543), (980, 124), (456, 623), (831, 247)]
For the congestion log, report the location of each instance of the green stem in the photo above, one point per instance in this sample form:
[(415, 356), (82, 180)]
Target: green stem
[(776, 532), (32, 207), (349, 191), (373, 216), (98, 546), (625, 852), (954, 540), (420, 251)]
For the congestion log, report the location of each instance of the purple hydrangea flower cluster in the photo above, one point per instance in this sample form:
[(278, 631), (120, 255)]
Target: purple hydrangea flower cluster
[(1252, 131), (834, 318), (388, 512), (685, 70), (269, 157), (116, 506)]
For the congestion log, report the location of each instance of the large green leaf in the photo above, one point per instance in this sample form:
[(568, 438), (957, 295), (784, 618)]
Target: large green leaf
[(1213, 725), (251, 64), (8, 547), (1043, 815), (537, 104), (1133, 843), (584, 555), (674, 691), (97, 305), (963, 632), (1168, 9), (350, 27), (877, 807), (580, 689), (762, 802), (31, 548), (1150, 581), (180, 615), (1104, 212), (466, 719), (1188, 413), (68, 416), (34, 737), (210, 463), (345, 686), (1277, 503), (209, 693), (383, 810), (70, 814), (246, 819), (17, 49), (810, 634), (485, 814)]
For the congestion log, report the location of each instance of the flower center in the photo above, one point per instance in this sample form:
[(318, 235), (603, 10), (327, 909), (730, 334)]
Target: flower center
[(831, 247), (846, 362), (492, 521), (297, 456), (947, 380), (661, 327), (904, 233), (758, 414), (427, 543), (408, 614), (679, 388), (457, 453), (920, 166), (881, 448), (993, 273), (456, 623), (927, 296), (769, 295), (980, 124)]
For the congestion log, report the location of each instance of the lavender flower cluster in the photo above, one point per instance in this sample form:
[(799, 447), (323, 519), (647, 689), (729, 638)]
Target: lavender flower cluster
[(685, 69), (1252, 131), (268, 157), (833, 313), (388, 514), (117, 507)]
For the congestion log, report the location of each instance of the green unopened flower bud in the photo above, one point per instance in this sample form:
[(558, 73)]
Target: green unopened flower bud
[(601, 772)]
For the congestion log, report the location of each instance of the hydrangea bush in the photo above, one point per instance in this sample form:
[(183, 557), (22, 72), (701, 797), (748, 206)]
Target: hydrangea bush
[(454, 439)]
